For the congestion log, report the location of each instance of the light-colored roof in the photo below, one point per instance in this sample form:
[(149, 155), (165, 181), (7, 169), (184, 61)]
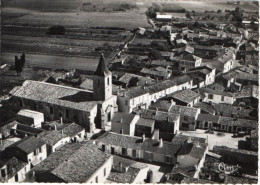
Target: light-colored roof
[(57, 94)]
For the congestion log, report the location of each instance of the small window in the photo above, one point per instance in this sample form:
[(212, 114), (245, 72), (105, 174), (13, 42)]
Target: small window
[(105, 172), (112, 150), (134, 153), (21, 103), (3, 173), (185, 118), (98, 82), (40, 149), (51, 109), (108, 81), (210, 96), (168, 159), (35, 153), (103, 148), (96, 179), (222, 98), (126, 102), (124, 151)]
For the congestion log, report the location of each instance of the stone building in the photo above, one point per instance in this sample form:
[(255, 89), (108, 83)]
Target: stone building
[(90, 109)]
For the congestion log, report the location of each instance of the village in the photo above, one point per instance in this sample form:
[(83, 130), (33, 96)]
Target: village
[(175, 102)]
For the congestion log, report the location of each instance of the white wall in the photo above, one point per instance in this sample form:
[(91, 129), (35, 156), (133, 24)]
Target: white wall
[(217, 99), (186, 160)]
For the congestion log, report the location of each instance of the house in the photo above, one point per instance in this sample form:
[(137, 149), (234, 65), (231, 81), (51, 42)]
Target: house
[(127, 171), (141, 148), (208, 121), (31, 118), (185, 97), (144, 126), (192, 154), (21, 130), (6, 130), (249, 95), (189, 61), (164, 121), (70, 164), (124, 123), (87, 84), (156, 74), (227, 59), (162, 105), (216, 96), (53, 140), (30, 149), (13, 170), (202, 75), (205, 108), (206, 52), (89, 109), (188, 116), (143, 96), (185, 50), (235, 125), (164, 18), (162, 63), (130, 80)]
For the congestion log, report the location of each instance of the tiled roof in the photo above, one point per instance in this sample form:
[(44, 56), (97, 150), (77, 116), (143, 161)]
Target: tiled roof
[(239, 180), (217, 86), (186, 111), (217, 92), (51, 137), (193, 150), (154, 72), (222, 108), (56, 94), (141, 80), (238, 122), (136, 143), (72, 129), (13, 166), (248, 92), (27, 144), (28, 129), (87, 84), (125, 117), (181, 139), (158, 115), (161, 105), (186, 95), (8, 127), (161, 63), (145, 122), (208, 117), (74, 162), (191, 57), (205, 107)]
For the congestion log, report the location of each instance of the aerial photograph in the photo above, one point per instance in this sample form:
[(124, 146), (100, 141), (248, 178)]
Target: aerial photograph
[(129, 91)]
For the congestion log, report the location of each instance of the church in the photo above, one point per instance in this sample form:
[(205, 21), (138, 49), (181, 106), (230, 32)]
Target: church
[(90, 109)]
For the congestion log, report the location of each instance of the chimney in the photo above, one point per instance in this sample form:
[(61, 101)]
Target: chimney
[(121, 131), (143, 137), (61, 120), (161, 143), (145, 82), (144, 87), (124, 94), (62, 131), (189, 140), (155, 135), (197, 144), (157, 109), (137, 83), (25, 135), (120, 87), (156, 79), (55, 127)]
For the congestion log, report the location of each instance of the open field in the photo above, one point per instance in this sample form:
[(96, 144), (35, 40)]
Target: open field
[(51, 61)]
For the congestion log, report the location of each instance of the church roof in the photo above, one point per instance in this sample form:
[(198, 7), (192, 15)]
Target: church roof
[(102, 69)]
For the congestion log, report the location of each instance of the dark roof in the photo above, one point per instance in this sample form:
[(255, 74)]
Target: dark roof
[(57, 95), (51, 137), (125, 117), (158, 115), (161, 105), (72, 129), (27, 144), (185, 111), (74, 162), (193, 150), (208, 117), (136, 143), (238, 122), (248, 92), (212, 91), (102, 69), (145, 122), (6, 128), (141, 80), (13, 166), (28, 129), (181, 139), (217, 86), (186, 96), (205, 107)]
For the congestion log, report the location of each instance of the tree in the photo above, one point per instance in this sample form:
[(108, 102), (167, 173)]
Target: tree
[(219, 11), (151, 12), (154, 55), (18, 65), (23, 59), (188, 15)]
